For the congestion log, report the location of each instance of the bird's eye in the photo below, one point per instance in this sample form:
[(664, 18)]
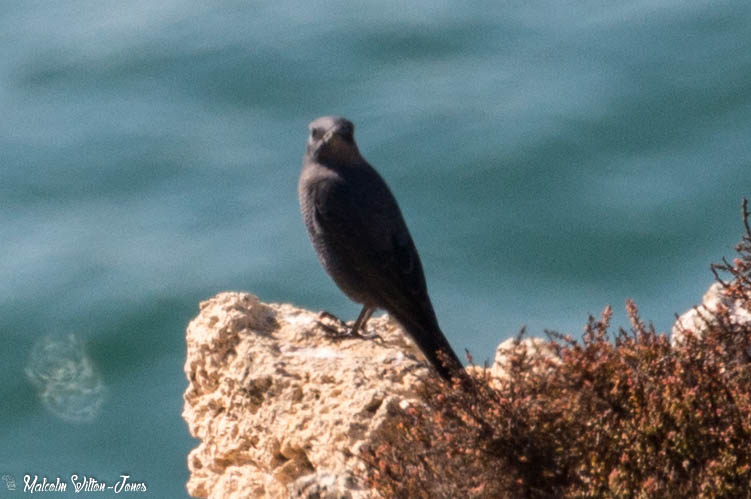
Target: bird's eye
[(316, 133)]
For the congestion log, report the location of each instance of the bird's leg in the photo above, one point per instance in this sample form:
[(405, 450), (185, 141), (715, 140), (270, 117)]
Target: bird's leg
[(362, 320), (360, 323), (354, 332)]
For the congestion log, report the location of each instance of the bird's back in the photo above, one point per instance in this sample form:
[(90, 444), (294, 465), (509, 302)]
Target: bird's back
[(361, 238)]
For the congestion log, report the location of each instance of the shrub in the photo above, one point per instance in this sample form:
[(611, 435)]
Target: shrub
[(619, 414)]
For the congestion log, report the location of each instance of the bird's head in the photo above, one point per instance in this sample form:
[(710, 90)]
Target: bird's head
[(332, 138)]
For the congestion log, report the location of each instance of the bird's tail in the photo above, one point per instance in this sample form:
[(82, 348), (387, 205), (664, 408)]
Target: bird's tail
[(433, 344)]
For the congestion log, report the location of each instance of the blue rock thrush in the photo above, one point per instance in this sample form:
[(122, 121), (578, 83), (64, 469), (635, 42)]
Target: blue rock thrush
[(359, 234)]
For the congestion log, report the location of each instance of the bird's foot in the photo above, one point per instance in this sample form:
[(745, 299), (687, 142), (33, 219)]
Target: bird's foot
[(325, 314), (363, 336), (341, 330), (349, 334), (331, 329)]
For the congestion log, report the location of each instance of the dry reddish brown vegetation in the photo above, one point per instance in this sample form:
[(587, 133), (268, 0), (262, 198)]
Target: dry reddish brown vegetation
[(619, 414)]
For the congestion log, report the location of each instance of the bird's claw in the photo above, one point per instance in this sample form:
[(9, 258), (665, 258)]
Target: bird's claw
[(335, 334), (335, 331), (324, 314), (330, 329)]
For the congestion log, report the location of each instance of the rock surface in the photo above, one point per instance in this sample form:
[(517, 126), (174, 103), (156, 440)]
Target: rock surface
[(279, 407), (698, 319)]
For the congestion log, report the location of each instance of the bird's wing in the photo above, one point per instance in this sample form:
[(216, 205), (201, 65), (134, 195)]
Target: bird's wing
[(367, 233), (370, 236)]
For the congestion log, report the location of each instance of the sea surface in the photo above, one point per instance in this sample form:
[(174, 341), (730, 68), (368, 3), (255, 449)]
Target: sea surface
[(550, 158)]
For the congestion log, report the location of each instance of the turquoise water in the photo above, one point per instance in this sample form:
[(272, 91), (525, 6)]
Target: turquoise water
[(550, 158)]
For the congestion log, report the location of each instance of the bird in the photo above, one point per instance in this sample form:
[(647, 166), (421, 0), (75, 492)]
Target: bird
[(362, 241)]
